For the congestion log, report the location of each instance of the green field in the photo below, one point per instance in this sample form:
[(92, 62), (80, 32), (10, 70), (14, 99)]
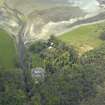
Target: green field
[(7, 51), (84, 38)]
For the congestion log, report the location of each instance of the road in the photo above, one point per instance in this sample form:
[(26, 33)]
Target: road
[(21, 47)]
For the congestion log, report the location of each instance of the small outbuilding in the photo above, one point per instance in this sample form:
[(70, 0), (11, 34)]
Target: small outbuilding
[(38, 74)]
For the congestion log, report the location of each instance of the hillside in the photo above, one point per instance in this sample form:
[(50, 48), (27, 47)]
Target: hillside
[(52, 52), (84, 38), (58, 13), (42, 23), (27, 6), (38, 23), (10, 19)]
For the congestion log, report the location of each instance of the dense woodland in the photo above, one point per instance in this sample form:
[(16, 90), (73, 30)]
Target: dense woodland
[(70, 79)]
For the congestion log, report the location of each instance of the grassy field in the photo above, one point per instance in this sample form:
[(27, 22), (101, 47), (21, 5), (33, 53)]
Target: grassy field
[(85, 37), (7, 51)]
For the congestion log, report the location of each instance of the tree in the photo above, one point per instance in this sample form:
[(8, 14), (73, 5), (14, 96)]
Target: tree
[(70, 86), (96, 56), (11, 88)]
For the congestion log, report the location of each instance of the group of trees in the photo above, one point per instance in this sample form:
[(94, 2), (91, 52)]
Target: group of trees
[(69, 79), (11, 87)]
